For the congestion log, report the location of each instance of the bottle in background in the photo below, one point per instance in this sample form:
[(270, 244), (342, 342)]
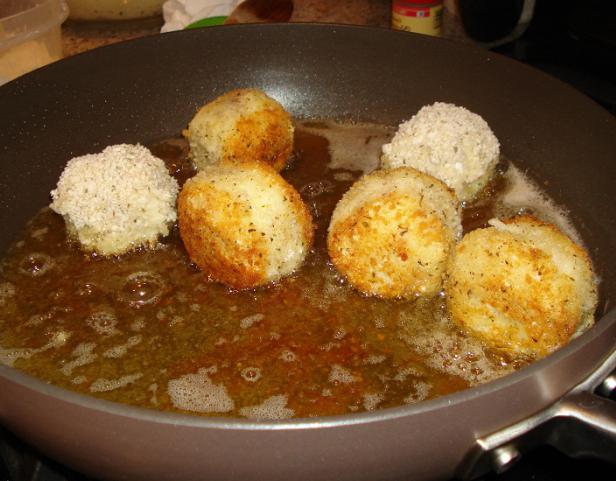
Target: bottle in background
[(418, 16)]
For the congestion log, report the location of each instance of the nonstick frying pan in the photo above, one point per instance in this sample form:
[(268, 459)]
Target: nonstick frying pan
[(150, 88)]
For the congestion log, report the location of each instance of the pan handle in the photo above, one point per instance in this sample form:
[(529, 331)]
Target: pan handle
[(581, 424)]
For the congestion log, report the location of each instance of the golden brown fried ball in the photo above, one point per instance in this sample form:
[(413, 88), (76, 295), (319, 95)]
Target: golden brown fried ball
[(241, 125), (243, 224), (391, 233), (521, 286)]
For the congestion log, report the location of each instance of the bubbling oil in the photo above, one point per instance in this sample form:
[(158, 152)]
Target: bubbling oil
[(149, 329)]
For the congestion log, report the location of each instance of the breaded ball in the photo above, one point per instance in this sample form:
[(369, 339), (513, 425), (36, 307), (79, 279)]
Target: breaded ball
[(448, 142), (116, 200), (392, 231), (521, 286), (243, 224), (240, 125)]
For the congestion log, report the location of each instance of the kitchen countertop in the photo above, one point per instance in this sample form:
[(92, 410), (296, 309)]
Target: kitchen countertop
[(79, 37)]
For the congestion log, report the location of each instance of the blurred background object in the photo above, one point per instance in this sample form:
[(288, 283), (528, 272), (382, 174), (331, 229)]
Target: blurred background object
[(29, 35), (260, 11), (488, 22), (571, 40), (418, 16), (180, 14), (575, 42)]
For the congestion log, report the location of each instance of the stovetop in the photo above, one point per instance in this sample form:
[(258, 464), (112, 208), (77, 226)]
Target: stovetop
[(574, 41)]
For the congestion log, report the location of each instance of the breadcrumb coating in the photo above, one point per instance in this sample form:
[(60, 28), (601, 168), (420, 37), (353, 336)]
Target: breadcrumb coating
[(391, 233), (117, 200), (448, 142), (243, 224), (521, 286), (241, 125)]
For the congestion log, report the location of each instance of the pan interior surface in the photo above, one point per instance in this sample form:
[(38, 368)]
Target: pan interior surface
[(149, 89)]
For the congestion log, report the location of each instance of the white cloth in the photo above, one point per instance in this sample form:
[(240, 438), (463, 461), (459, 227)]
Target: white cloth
[(180, 13)]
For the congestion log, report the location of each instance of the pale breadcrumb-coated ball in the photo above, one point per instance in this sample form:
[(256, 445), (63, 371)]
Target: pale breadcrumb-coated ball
[(392, 231), (243, 224), (241, 125), (522, 286), (448, 142), (116, 200)]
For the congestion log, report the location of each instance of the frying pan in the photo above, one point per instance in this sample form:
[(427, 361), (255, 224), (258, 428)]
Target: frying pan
[(150, 88)]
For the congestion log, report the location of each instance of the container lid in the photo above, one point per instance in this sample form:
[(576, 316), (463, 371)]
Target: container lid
[(21, 20)]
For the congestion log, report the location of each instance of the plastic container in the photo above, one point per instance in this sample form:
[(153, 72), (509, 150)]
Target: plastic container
[(30, 35)]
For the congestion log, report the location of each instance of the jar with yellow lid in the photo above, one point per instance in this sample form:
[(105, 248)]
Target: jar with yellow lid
[(418, 16)]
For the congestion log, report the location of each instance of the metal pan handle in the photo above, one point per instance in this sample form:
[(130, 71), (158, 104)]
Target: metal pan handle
[(581, 424)]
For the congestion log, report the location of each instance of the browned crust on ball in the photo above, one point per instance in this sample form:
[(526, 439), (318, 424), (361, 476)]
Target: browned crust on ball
[(510, 293), (265, 137), (242, 125), (214, 253), (211, 220), (392, 231), (362, 262)]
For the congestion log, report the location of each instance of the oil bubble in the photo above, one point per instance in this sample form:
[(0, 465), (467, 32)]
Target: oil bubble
[(248, 321), (196, 392), (274, 407), (86, 289), (341, 375), (142, 288), (36, 264), (251, 374), (315, 189), (103, 322), (287, 356)]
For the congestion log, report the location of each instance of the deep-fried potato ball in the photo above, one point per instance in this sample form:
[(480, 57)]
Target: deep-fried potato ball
[(449, 142), (243, 224), (392, 231), (521, 286), (243, 124)]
